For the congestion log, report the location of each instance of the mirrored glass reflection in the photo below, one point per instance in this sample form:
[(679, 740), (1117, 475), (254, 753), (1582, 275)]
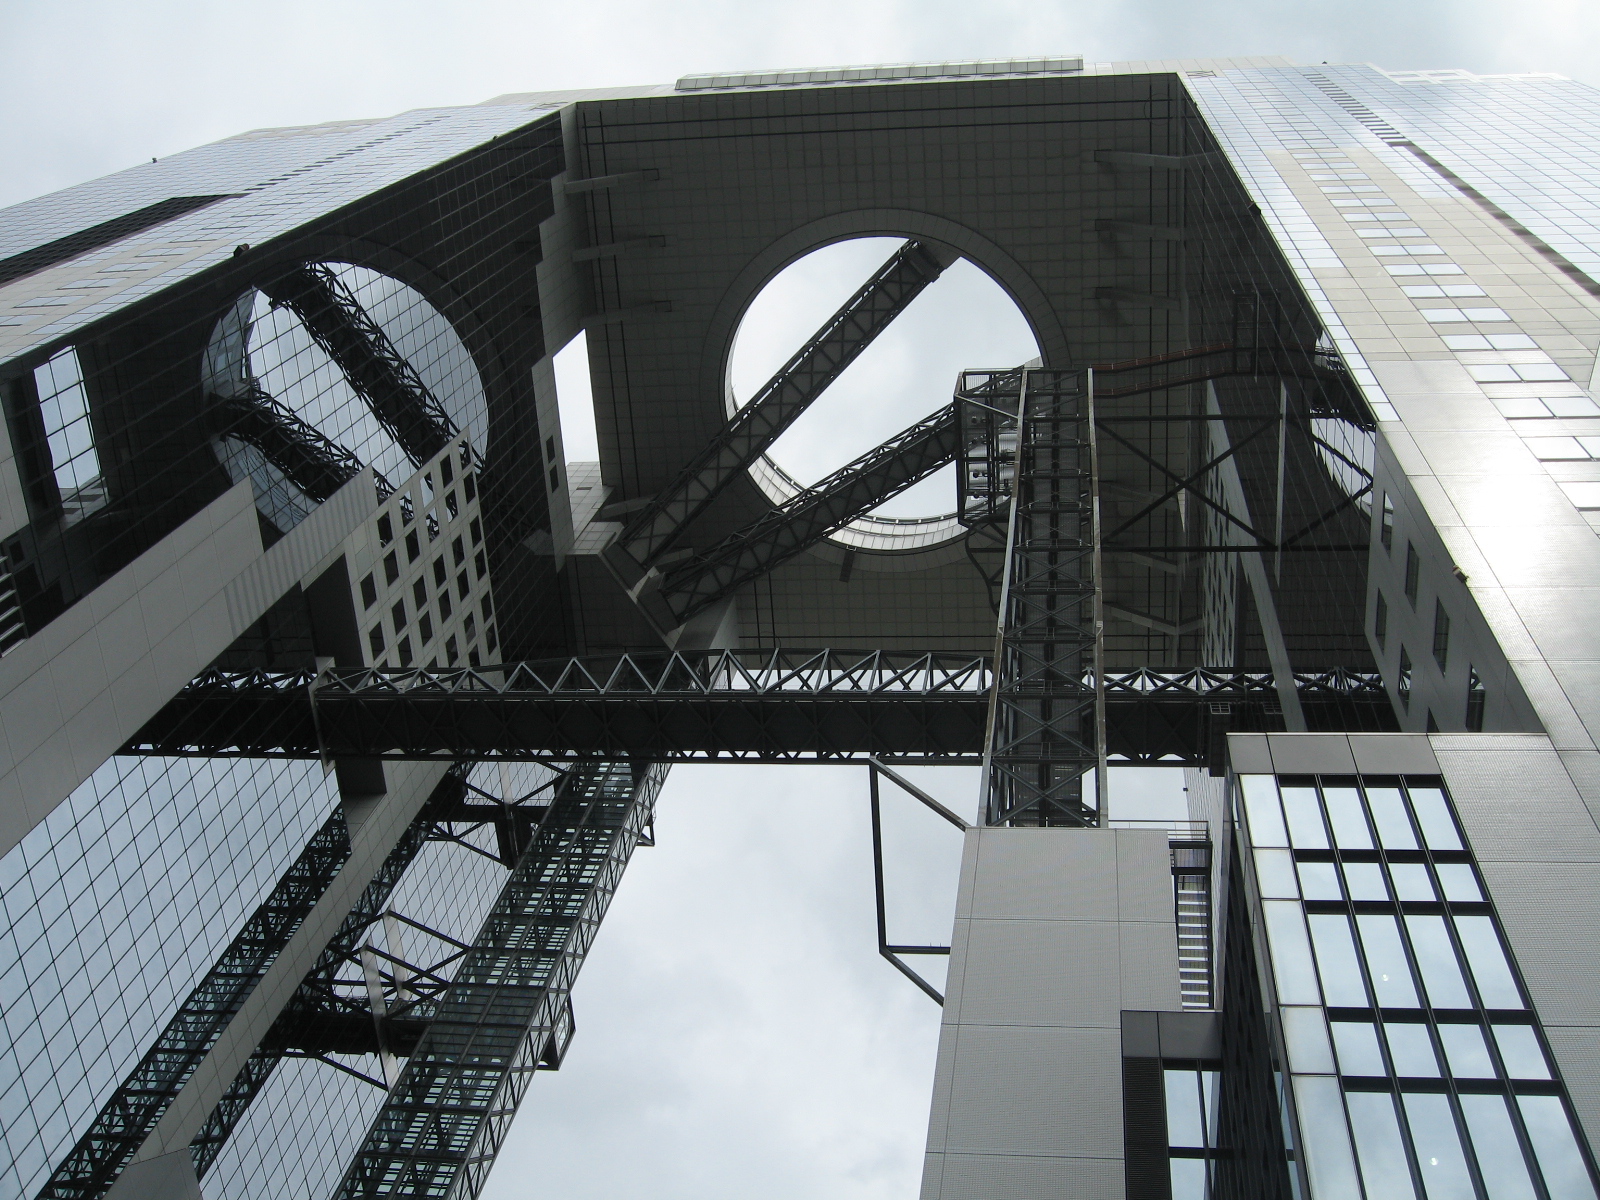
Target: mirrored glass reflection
[(1262, 811), (1320, 881), (1386, 960), (1521, 1052), (1466, 1051), (1275, 874), (1380, 1151), (1304, 815), (1494, 1141), (1390, 816), (1349, 822), (1188, 1179), (1559, 1157), (1365, 881), (1356, 1043), (1305, 1036), (1336, 960), (1433, 1133), (1459, 882), (1183, 1109), (1497, 987), (1436, 960), (1411, 882), (1433, 814), (1412, 1050)]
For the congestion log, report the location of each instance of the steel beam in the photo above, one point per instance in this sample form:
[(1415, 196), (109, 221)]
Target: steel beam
[(738, 706), (311, 461), (811, 516), (508, 1008), (756, 426), (377, 371)]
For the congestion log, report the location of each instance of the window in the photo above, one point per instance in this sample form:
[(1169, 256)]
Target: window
[(480, 564), (1413, 573), (447, 472), (413, 547), (1380, 622), (1475, 699), (1441, 635), (419, 592), (1403, 683), (391, 568), (369, 592), (444, 604), (476, 531), (469, 486), (452, 652), (463, 588), (425, 628), (405, 652), (385, 530), (1386, 527), (375, 641), (458, 552), (439, 572), (398, 615)]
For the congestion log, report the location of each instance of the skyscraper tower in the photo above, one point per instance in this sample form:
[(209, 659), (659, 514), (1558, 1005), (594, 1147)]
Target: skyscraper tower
[(335, 699)]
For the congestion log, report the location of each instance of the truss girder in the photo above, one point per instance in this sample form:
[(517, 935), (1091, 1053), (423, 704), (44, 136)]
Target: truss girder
[(446, 1116), (811, 516), (723, 705), (368, 909), (133, 1110), (756, 426), (1043, 735), (378, 372), (310, 460)]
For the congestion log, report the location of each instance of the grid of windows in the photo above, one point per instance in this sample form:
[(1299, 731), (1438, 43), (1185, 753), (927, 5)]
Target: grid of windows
[(1417, 1067), (114, 907)]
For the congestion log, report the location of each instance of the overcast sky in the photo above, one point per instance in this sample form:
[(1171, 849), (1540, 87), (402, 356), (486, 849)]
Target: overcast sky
[(737, 1035)]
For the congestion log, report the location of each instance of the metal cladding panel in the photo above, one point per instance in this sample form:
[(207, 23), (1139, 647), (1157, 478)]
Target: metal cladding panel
[(1008, 1096), (1027, 1177)]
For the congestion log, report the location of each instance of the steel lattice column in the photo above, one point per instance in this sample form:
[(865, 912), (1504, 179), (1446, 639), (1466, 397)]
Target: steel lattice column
[(507, 1008), (1043, 732)]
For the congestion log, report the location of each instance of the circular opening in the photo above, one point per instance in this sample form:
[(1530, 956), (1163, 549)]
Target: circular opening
[(963, 320), (263, 353)]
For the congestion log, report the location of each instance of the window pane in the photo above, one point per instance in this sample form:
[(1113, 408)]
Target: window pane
[(1494, 1141), (1466, 1051), (1325, 1138), (1357, 1043), (1188, 1179), (1376, 1127), (1496, 985), (1521, 1052), (1433, 814), (1291, 953), (1411, 1049), (1459, 882), (1433, 1133), (1304, 814), (1386, 961), (1349, 822), (1275, 874), (1365, 881), (1183, 1109), (1411, 881), (1336, 959), (1305, 1033), (1436, 959), (1565, 1175), (1320, 881), (1389, 815), (1261, 810)]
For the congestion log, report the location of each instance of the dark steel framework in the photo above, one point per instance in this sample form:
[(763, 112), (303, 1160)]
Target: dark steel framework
[(723, 705), (755, 427), (508, 1009)]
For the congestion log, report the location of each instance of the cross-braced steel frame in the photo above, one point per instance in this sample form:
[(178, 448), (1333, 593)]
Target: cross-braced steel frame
[(1047, 721), (507, 1009)]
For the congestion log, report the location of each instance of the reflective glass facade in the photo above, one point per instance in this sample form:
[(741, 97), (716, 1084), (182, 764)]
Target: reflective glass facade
[(1416, 1066)]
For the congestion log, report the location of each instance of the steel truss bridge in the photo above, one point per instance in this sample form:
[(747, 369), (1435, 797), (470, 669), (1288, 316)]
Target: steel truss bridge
[(719, 705)]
